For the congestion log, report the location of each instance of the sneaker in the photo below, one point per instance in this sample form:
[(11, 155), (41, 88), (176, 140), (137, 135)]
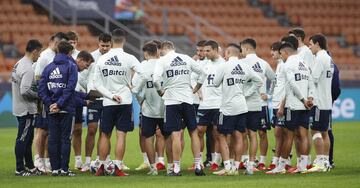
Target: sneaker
[(85, 168), (249, 172), (124, 167), (100, 171), (276, 171), (332, 166), (55, 173), (67, 173), (152, 172), (224, 172), (316, 168), (23, 173), (261, 166), (287, 167), (290, 170), (78, 164), (207, 163), (214, 167), (309, 166), (143, 166), (271, 167), (119, 172), (174, 174), (47, 167), (160, 166), (36, 172), (242, 165), (199, 172)]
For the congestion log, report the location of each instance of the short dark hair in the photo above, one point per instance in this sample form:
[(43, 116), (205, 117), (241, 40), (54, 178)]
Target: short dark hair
[(61, 36), (249, 41), (286, 45), (320, 39), (65, 47), (86, 56), (292, 40), (167, 45), (201, 43), (33, 45), (118, 35), (212, 43), (298, 32), (157, 42), (104, 37), (275, 46), (234, 45), (71, 35), (150, 48)]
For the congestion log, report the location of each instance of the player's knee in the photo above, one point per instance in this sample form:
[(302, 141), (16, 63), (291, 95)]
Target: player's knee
[(317, 136), (77, 132)]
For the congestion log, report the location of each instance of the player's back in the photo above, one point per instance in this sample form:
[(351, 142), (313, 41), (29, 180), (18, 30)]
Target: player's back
[(46, 57), (322, 74), (305, 52)]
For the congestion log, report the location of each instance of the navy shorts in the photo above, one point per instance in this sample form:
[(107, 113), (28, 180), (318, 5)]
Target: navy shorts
[(296, 118), (179, 116), (149, 125), (253, 120), (208, 117), (79, 115), (229, 124), (320, 119), (118, 116), (279, 122), (94, 111), (265, 119), (41, 122)]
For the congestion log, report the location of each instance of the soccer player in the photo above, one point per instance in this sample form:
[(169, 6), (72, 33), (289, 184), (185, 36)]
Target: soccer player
[(24, 108), (257, 103), (41, 133), (152, 106), (208, 112), (322, 73), (95, 108), (308, 57), (174, 70), (113, 80), (277, 95), (233, 75), (299, 96), (57, 91), (73, 40)]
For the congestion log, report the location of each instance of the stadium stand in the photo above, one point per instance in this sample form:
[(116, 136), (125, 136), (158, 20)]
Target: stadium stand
[(20, 22)]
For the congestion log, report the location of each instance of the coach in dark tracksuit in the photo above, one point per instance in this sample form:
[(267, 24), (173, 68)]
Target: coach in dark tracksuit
[(57, 90), (24, 96), (335, 92)]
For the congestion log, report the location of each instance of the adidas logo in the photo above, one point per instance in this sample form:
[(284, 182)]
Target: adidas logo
[(177, 62), (257, 67), (237, 70), (302, 67), (55, 74), (113, 61)]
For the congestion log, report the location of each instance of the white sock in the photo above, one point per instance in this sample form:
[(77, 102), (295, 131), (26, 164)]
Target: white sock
[(78, 158), (250, 166), (217, 158), (262, 159), (170, 166), (197, 162), (244, 158), (201, 157), (298, 161), (145, 158), (47, 160), (282, 163), (177, 166), (156, 157), (212, 157), (309, 160), (87, 160), (232, 161), (275, 160), (303, 162), (118, 163), (161, 160), (236, 165)]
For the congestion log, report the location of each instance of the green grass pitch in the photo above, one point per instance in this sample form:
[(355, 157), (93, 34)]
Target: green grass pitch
[(346, 174)]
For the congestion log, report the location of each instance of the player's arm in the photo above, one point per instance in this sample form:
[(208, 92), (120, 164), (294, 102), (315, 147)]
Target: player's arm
[(256, 83), (157, 77), (317, 71), (43, 90), (219, 76), (270, 75), (39, 67), (26, 83), (70, 87), (290, 77), (195, 67)]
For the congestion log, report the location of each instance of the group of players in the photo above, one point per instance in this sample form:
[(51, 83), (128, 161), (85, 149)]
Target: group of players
[(220, 93)]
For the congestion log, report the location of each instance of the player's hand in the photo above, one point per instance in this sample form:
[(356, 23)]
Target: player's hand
[(280, 112), (117, 98), (306, 104), (88, 102), (54, 108), (195, 57), (264, 96), (310, 102), (161, 92)]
